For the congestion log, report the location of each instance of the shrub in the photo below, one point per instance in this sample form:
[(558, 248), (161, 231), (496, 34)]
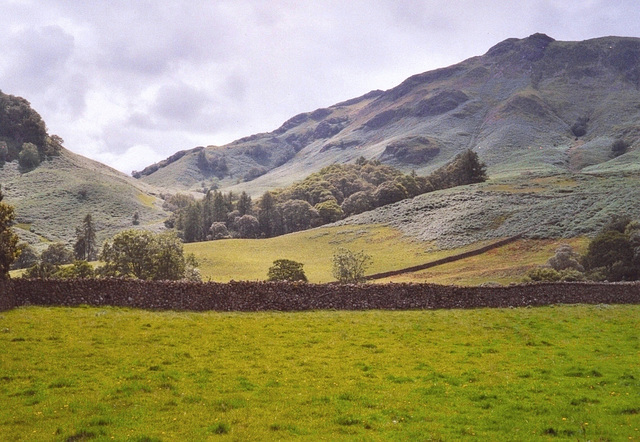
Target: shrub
[(565, 258), (543, 274), (29, 157), (619, 147), (579, 128), (349, 267), (286, 270)]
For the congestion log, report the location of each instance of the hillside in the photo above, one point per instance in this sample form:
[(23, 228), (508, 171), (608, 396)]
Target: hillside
[(52, 199), (527, 105)]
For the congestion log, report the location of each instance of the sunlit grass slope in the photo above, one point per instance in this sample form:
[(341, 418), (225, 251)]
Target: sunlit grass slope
[(568, 372), (247, 259), (504, 265)]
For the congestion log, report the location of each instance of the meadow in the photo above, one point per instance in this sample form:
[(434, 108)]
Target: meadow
[(557, 372), (389, 248)]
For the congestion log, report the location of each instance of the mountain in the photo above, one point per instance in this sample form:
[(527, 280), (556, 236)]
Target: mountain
[(53, 189), (532, 105)]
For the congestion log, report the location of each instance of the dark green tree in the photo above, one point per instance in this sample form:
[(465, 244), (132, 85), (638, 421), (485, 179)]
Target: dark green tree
[(286, 270), (192, 224), (611, 256), (8, 240), (85, 246), (298, 215), (57, 254), (244, 205), (268, 216)]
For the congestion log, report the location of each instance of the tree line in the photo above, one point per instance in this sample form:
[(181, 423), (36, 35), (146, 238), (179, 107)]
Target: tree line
[(331, 194)]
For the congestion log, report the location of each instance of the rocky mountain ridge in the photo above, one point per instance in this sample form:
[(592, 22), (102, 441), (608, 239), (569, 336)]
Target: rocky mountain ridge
[(517, 106)]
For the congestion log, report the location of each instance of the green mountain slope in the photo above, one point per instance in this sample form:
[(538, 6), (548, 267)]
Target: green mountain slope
[(518, 106), (52, 200)]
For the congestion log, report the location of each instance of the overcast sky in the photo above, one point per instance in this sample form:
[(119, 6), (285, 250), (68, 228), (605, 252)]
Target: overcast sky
[(129, 82)]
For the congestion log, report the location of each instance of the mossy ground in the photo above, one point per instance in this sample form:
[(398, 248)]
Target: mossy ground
[(562, 372)]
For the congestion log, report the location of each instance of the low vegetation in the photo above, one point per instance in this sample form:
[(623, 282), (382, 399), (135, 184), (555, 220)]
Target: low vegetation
[(497, 374)]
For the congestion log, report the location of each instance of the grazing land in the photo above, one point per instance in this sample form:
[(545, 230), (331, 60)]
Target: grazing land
[(562, 372), (390, 249)]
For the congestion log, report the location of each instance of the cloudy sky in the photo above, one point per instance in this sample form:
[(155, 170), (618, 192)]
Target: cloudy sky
[(129, 82)]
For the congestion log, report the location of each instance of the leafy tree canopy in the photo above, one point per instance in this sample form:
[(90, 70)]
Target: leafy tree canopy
[(144, 255), (286, 270)]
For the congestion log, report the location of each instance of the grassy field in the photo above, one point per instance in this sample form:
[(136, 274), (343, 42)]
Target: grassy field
[(563, 372), (247, 259)]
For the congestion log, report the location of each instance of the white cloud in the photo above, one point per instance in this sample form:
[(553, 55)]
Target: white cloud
[(117, 79)]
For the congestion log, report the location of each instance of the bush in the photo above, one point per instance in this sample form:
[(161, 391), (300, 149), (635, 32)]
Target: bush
[(29, 157), (286, 270), (543, 274), (349, 267), (619, 147), (565, 258)]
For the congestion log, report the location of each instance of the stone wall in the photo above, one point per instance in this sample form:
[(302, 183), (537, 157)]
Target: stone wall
[(282, 296)]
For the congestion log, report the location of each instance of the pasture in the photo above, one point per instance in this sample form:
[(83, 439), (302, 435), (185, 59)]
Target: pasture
[(250, 259), (558, 372)]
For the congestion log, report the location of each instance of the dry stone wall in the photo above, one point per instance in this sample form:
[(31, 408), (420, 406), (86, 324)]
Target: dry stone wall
[(283, 296)]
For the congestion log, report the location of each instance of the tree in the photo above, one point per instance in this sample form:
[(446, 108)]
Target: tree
[(357, 203), (286, 270), (143, 255), (349, 267), (8, 240), (26, 258), (192, 223), (57, 254), (389, 192), (29, 157), (329, 211), (85, 246), (244, 204), (218, 231), (298, 215), (168, 257), (268, 215), (247, 226), (611, 255), (41, 270)]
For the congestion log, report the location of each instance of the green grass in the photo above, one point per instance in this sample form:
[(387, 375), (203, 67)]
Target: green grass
[(250, 259), (504, 265), (564, 372)]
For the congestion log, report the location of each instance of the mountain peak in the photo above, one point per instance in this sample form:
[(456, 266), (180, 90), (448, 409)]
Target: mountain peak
[(531, 48)]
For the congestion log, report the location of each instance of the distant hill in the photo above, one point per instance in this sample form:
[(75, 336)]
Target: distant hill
[(527, 105)]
